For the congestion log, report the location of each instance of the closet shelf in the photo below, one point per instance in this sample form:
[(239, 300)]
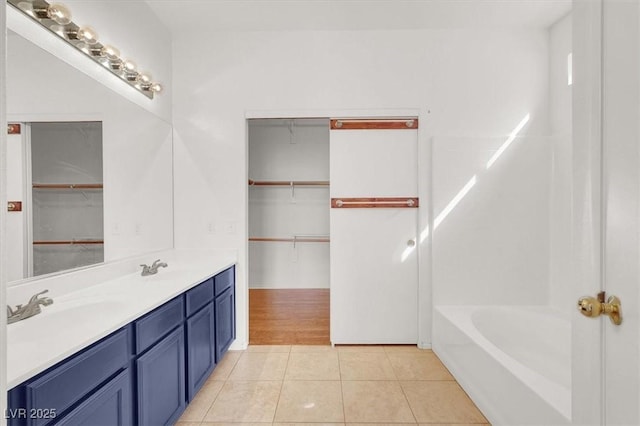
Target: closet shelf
[(68, 186), (295, 239), (288, 183), (68, 242)]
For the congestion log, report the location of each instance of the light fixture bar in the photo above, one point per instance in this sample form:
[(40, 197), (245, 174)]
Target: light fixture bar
[(56, 18)]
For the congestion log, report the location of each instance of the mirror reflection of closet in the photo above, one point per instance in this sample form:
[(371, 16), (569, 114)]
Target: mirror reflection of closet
[(63, 170)]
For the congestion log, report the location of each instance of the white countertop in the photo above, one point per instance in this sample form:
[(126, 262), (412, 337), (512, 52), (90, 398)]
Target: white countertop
[(79, 318)]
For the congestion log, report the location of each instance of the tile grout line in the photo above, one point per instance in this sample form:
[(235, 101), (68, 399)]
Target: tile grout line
[(213, 401), (408, 402), (341, 380), (224, 383), (344, 410), (400, 384), (391, 364), (284, 375)]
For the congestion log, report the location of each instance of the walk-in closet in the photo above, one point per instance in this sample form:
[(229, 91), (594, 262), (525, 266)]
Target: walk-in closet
[(333, 231), (289, 231)]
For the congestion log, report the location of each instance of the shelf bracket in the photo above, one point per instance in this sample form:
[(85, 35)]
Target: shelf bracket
[(292, 139)]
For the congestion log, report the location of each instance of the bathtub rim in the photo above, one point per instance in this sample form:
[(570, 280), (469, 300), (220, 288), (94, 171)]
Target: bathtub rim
[(461, 317)]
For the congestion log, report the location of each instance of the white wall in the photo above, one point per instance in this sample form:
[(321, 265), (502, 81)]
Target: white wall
[(137, 145), (278, 151), (561, 294), (464, 82), (493, 247)]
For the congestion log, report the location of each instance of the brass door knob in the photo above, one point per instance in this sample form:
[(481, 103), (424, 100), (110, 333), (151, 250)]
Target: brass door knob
[(593, 307)]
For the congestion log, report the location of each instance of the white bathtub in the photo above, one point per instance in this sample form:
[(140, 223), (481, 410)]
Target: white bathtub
[(514, 362)]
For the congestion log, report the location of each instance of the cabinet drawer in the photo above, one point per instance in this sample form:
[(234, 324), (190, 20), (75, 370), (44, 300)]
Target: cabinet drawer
[(111, 405), (199, 296), (224, 280), (64, 385), (158, 323)]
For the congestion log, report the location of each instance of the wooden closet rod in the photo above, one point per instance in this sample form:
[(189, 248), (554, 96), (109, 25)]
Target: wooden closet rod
[(68, 185), (374, 124), (377, 202), (291, 240), (288, 183), (67, 242)]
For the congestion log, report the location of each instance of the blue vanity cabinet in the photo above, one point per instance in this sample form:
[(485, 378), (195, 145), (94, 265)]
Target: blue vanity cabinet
[(201, 360), (225, 306), (142, 374), (159, 322), (161, 381), (160, 364), (111, 405), (87, 381), (200, 334), (199, 296)]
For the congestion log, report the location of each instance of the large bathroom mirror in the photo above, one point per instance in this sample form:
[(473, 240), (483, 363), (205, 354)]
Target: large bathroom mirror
[(133, 165)]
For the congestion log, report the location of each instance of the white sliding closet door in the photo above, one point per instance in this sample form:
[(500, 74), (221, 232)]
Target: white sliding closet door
[(374, 268)]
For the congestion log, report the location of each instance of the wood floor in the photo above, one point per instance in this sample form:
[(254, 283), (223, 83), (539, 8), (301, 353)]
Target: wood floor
[(289, 317)]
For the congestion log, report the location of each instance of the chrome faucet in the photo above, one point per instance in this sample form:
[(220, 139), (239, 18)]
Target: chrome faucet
[(153, 269), (32, 308)]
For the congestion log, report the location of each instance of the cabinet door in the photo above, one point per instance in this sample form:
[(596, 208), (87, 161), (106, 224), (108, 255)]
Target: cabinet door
[(111, 405), (161, 381), (201, 359), (225, 321), (77, 376)]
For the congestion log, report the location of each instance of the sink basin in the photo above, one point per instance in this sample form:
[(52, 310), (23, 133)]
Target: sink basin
[(80, 310), (165, 273), (76, 310)]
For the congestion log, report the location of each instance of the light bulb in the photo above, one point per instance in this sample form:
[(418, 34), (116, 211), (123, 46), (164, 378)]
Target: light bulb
[(156, 87), (130, 71), (88, 35), (145, 79), (59, 13), (113, 57), (110, 52), (129, 66)]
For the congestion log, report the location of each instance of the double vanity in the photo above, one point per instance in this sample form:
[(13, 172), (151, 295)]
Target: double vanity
[(128, 351)]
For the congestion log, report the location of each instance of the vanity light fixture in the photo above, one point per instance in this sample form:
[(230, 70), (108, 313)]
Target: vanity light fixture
[(84, 34), (56, 12), (112, 55), (145, 80), (130, 70), (56, 17)]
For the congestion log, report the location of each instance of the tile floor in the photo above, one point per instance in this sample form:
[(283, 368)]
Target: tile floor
[(322, 384)]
